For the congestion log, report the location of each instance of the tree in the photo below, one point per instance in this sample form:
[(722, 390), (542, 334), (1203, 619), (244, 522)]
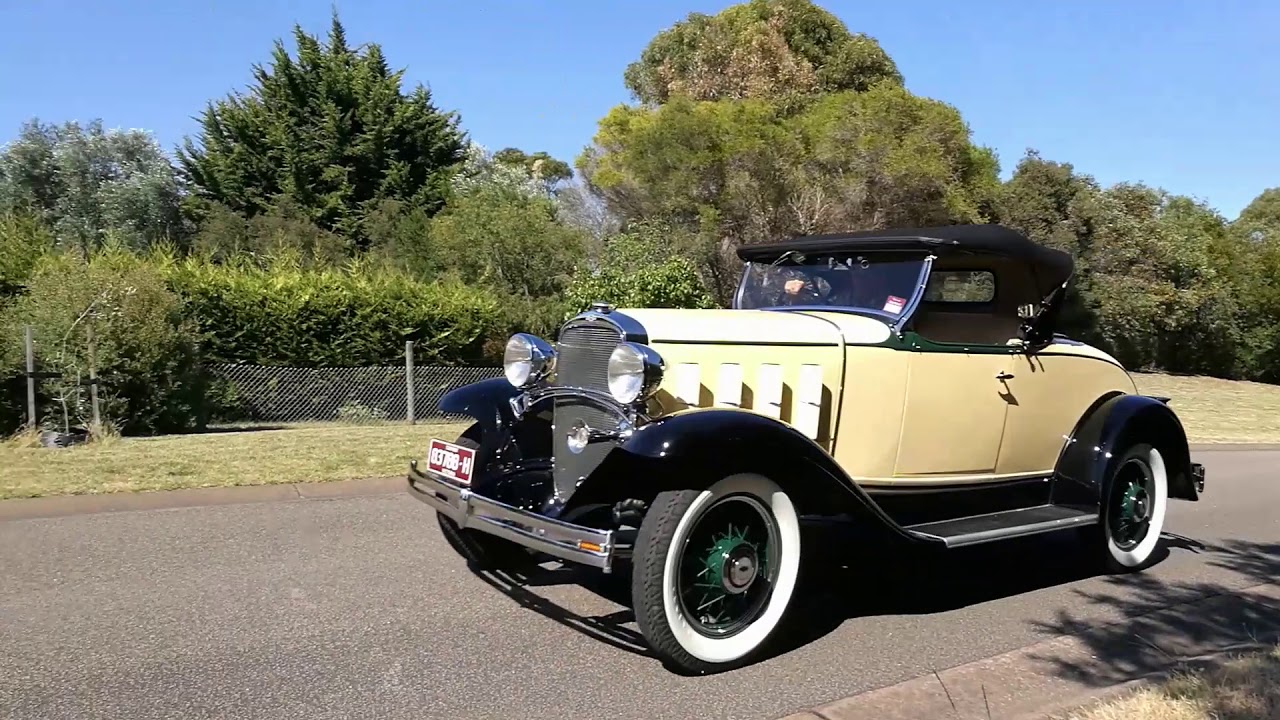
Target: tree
[(644, 266), (770, 49), (511, 242), (1263, 211), (330, 130), (85, 183), (743, 171), (540, 166)]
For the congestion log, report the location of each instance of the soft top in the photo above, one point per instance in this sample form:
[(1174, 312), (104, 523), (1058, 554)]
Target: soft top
[(1052, 267)]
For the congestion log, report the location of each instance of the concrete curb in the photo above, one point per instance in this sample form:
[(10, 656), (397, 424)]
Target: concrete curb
[(64, 505), (1030, 682)]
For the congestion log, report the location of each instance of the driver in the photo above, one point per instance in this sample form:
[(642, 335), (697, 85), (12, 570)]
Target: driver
[(803, 289)]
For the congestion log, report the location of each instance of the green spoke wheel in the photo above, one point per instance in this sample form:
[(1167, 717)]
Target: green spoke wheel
[(728, 566), (714, 571), (1133, 509), (1131, 505)]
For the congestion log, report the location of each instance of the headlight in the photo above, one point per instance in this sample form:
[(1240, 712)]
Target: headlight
[(635, 371), (527, 359)]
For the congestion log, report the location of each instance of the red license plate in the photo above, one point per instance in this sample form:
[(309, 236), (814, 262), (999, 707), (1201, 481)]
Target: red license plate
[(452, 461)]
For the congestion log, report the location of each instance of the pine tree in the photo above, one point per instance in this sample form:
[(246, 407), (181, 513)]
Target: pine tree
[(329, 131)]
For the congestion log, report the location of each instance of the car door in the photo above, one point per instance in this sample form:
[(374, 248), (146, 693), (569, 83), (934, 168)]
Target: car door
[(953, 420), (1050, 389)]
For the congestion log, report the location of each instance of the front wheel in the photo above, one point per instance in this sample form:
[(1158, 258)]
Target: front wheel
[(714, 571)]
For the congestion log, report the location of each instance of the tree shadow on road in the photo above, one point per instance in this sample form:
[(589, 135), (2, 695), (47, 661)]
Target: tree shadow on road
[(1166, 623)]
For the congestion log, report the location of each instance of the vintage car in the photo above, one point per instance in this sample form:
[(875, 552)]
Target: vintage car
[(907, 382)]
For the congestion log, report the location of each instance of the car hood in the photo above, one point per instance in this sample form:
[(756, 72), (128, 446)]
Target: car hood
[(757, 327)]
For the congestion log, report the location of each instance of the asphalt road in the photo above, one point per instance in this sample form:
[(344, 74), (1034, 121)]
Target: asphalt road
[(356, 608)]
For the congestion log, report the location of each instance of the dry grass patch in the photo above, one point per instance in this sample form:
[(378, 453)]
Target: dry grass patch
[(1219, 411), (1244, 688), (259, 457)]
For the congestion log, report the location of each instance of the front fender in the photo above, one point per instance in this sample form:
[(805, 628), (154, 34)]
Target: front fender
[(695, 447), (488, 401), (1088, 459)]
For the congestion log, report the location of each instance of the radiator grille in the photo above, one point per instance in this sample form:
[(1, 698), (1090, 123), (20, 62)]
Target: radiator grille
[(584, 355), (583, 362)]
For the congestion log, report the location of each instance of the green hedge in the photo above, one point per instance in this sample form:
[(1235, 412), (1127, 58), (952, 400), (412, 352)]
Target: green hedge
[(287, 315)]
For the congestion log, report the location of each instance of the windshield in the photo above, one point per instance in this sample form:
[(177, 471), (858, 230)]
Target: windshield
[(879, 287)]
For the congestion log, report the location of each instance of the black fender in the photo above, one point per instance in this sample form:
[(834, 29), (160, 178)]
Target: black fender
[(1113, 424), (695, 447), (488, 401)]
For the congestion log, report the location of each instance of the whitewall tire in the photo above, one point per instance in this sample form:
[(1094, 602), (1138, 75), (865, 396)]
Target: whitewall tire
[(714, 571), (1134, 509)]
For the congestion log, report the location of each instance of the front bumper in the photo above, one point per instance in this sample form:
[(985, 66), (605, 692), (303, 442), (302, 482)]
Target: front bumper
[(575, 543)]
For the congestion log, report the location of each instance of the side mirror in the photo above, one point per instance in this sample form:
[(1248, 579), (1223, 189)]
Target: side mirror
[(1028, 311)]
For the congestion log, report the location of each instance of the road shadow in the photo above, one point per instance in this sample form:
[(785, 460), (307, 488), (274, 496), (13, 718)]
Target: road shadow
[(836, 587), (1173, 623), (832, 586), (609, 629)]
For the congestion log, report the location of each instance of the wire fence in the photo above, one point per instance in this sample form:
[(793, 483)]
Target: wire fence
[(257, 394), (65, 395)]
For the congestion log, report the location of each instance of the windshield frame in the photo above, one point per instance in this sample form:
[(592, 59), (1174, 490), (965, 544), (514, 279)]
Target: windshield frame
[(893, 321)]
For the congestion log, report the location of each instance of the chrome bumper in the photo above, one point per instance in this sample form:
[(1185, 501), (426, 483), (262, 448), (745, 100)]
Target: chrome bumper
[(575, 543)]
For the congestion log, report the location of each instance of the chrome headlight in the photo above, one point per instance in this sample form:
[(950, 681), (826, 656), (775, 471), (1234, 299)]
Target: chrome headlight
[(527, 359), (635, 371)]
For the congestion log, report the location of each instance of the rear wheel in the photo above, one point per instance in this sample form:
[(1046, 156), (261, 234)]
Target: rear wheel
[(714, 571), (1133, 511), (481, 550)]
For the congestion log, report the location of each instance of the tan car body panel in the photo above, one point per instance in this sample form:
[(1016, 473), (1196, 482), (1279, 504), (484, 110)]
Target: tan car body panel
[(888, 415)]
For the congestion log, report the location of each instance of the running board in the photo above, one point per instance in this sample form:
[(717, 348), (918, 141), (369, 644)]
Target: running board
[(1002, 525)]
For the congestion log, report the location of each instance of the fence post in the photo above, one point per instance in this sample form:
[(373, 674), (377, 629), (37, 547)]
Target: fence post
[(93, 380), (31, 379), (408, 380)]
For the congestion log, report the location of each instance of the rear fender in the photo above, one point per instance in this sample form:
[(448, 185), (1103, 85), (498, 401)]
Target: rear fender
[(1107, 429), (693, 448)]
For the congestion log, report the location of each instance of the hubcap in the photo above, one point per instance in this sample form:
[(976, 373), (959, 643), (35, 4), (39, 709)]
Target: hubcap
[(739, 569), (728, 566)]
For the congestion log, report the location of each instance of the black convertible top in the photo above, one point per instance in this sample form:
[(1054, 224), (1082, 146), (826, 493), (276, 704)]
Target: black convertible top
[(1052, 267)]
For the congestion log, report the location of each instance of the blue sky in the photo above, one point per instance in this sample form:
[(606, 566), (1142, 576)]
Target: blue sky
[(1182, 95)]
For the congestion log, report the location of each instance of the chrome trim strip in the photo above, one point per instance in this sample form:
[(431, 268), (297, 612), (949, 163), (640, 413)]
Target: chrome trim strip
[(536, 532), (986, 536)]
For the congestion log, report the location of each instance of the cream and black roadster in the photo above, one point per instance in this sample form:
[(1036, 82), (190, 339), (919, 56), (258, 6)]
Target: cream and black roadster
[(909, 382)]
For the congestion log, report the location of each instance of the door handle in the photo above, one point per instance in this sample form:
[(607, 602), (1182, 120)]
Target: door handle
[(1003, 375)]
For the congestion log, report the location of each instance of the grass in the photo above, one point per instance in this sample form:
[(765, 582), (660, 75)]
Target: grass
[(1219, 411), (1212, 410), (309, 454), (1246, 687)]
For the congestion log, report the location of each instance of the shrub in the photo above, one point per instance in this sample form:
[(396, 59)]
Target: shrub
[(647, 266), (284, 314), (145, 351)]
